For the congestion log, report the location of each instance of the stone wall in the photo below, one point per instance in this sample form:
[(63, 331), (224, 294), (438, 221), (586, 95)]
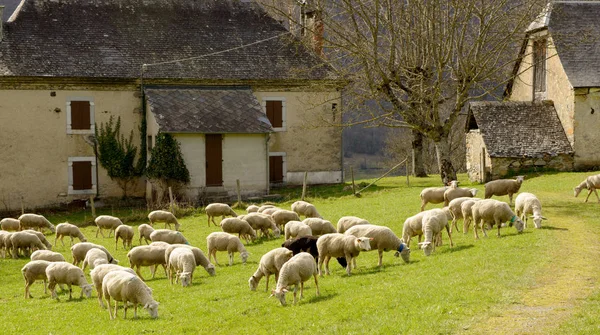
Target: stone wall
[(503, 166)]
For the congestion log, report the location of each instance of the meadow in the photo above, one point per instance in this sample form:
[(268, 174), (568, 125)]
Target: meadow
[(542, 281)]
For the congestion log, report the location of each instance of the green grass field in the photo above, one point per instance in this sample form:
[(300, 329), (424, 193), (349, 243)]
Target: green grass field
[(539, 282)]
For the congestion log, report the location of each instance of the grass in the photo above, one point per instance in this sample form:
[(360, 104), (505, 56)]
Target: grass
[(475, 287)]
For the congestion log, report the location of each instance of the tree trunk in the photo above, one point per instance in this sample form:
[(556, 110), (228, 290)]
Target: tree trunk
[(442, 149), (418, 161)]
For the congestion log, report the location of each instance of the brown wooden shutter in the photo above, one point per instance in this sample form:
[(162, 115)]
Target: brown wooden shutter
[(275, 113), (539, 65), (82, 175), (276, 169), (214, 160), (80, 115)]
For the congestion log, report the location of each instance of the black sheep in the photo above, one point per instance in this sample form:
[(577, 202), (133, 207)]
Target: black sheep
[(308, 244)]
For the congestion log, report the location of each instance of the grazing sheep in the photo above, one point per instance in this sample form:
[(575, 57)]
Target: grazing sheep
[(270, 263), (69, 274), (107, 222), (308, 244), (220, 241), (47, 255), (126, 233), (32, 221), (319, 226), (295, 271), (9, 224), (455, 209), (67, 229), (145, 230), (78, 251), (163, 216), (454, 192), (306, 209), (433, 222), (493, 212), (270, 210), (93, 258), (98, 273), (169, 236), (591, 183), (24, 241), (218, 209), (502, 187), (345, 222), (263, 207), (5, 245), (126, 287), (182, 264), (240, 227), (527, 203), (413, 226), (382, 239), (262, 222), (340, 245), (147, 255), (296, 229), (41, 236), (283, 216), (434, 195), (199, 256), (252, 209), (467, 213), (32, 271)]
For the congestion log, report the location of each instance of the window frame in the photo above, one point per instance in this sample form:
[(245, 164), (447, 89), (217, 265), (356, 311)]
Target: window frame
[(92, 160), (283, 156), (283, 112), (70, 129)]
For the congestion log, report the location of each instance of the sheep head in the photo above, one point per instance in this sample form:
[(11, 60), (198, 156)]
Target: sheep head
[(519, 225), (403, 251), (210, 268), (280, 294), (363, 243), (87, 290), (427, 247), (244, 255), (537, 220), (253, 283), (152, 308), (186, 278)]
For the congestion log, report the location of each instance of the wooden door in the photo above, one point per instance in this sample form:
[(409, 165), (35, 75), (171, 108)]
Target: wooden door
[(214, 160), (276, 169)]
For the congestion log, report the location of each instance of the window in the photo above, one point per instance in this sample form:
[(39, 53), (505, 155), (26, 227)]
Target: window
[(275, 108), (82, 175), (539, 65), (277, 167), (80, 116)]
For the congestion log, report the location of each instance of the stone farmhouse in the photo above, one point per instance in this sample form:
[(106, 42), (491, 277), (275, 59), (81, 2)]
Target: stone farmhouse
[(557, 77), (229, 82)]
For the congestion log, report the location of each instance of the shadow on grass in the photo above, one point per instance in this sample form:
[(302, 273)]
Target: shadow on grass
[(456, 248), (321, 297), (553, 228)]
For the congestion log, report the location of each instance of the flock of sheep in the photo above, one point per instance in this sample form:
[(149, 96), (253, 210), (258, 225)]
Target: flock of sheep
[(308, 244)]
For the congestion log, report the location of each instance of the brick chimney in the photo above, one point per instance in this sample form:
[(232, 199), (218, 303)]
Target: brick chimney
[(312, 28), (1, 22)]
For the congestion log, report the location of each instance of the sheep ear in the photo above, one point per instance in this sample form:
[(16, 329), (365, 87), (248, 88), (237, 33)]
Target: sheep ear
[(371, 239), (544, 218)]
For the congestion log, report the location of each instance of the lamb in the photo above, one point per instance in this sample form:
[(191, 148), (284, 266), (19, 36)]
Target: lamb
[(145, 230), (5, 245), (454, 192), (67, 229), (27, 221), (262, 222), (163, 216), (9, 224), (527, 203), (169, 236), (126, 233), (78, 251), (93, 258), (126, 287), (32, 271), (306, 209), (434, 195), (296, 229), (492, 212), (340, 245), (433, 222), (295, 271), (382, 239), (319, 226), (220, 241), (41, 236), (346, 222), (182, 264), (467, 213), (503, 187), (270, 263), (24, 241), (147, 255), (455, 209), (98, 273), (47, 255), (240, 227), (69, 274), (413, 226), (107, 222), (591, 183), (218, 209), (199, 256), (283, 216), (252, 209)]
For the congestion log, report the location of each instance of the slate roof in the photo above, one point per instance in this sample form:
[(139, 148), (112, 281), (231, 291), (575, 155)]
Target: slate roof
[(112, 39), (519, 129), (207, 111)]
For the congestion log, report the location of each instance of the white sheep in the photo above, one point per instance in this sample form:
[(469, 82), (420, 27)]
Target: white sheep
[(502, 187), (382, 239), (219, 241), (5, 245), (107, 222), (413, 226), (454, 206), (270, 263), (47, 255), (69, 274), (9, 224), (433, 222), (345, 222), (168, 236), (591, 183), (24, 241), (252, 209), (319, 226), (240, 227), (145, 230), (306, 209), (283, 216), (263, 207), (467, 213), (454, 192), (295, 272), (98, 273), (262, 222), (218, 209), (493, 212), (434, 195), (67, 229), (93, 258), (296, 229), (41, 236), (270, 210), (182, 264), (340, 245), (147, 255), (33, 221), (199, 256), (527, 203), (32, 271), (163, 216), (125, 233), (128, 288), (78, 251)]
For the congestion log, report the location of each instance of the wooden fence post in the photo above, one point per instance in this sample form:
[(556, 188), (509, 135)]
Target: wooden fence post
[(304, 185), (171, 199), (353, 185), (239, 193), (93, 206)]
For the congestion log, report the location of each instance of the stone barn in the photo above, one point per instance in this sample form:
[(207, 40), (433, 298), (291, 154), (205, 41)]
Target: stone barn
[(505, 138)]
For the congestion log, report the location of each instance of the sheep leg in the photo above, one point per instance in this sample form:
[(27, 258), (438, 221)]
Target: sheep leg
[(267, 287), (449, 236), (423, 203), (27, 285), (483, 226), (499, 226), (124, 310), (115, 311), (230, 258), (153, 270), (316, 283), (214, 253), (295, 289), (137, 270), (475, 224), (588, 195), (109, 309), (320, 267), (301, 289), (135, 310), (348, 264), (380, 258), (208, 220)]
